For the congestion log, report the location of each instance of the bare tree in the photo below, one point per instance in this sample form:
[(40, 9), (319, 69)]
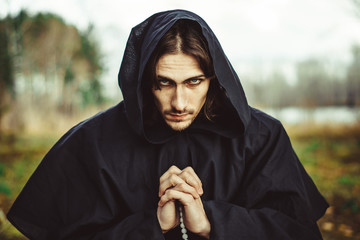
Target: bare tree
[(353, 78), (6, 69)]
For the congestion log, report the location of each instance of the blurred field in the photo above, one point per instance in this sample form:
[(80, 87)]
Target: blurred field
[(329, 153), (19, 157)]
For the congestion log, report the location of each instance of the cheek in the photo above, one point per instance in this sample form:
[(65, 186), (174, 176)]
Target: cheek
[(160, 99), (202, 94)]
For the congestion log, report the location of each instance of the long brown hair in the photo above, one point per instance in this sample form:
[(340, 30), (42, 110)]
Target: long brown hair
[(185, 36)]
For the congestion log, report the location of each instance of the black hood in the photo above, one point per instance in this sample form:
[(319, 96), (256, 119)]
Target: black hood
[(142, 42)]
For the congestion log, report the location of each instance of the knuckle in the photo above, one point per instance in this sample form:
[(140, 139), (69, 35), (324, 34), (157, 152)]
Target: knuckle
[(162, 187), (173, 168), (169, 193), (189, 169), (188, 198), (163, 198), (173, 179), (186, 175)]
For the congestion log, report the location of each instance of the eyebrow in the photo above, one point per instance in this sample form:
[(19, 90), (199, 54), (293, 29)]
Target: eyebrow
[(159, 77)]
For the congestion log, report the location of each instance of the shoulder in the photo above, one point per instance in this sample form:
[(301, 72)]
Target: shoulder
[(103, 126), (261, 122), (112, 119), (264, 129)]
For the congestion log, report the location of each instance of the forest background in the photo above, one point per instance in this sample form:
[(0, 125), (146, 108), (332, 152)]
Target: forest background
[(50, 79)]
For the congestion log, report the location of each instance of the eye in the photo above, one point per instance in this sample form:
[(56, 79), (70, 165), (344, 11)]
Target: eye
[(194, 82), (164, 82)]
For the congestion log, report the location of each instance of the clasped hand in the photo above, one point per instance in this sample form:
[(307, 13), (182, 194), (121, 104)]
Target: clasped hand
[(185, 187)]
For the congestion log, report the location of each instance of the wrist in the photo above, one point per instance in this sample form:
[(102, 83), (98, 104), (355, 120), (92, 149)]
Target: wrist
[(205, 230), (166, 228), (167, 222)]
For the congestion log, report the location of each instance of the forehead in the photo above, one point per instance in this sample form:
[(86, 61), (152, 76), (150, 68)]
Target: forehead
[(178, 67)]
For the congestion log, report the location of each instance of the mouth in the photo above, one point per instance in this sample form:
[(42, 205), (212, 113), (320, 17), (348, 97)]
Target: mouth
[(177, 117)]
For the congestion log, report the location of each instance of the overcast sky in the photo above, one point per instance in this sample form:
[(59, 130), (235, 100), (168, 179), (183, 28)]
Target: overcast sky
[(252, 32)]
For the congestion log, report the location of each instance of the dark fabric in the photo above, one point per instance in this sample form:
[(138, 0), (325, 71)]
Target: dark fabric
[(101, 179)]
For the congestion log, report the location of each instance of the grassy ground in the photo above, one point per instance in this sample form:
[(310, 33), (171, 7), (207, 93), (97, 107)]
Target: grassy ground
[(331, 155), (19, 157)]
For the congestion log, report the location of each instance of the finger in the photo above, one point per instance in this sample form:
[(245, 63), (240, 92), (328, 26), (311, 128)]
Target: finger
[(192, 171), (178, 184), (186, 188), (172, 170), (190, 177), (170, 182), (172, 194)]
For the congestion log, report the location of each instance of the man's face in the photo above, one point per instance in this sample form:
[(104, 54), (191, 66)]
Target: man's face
[(183, 89)]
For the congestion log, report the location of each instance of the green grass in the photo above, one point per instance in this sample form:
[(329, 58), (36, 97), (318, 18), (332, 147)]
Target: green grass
[(332, 158), (19, 157)]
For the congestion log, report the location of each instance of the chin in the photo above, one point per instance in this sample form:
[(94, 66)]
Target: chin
[(179, 126)]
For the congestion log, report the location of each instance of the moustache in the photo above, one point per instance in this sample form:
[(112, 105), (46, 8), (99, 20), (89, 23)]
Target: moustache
[(179, 112)]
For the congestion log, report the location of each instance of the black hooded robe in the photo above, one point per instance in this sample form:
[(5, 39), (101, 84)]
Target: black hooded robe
[(100, 180)]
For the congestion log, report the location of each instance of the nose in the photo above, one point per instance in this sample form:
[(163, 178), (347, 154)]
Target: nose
[(179, 99)]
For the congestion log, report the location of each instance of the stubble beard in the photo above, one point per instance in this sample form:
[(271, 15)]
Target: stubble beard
[(179, 124)]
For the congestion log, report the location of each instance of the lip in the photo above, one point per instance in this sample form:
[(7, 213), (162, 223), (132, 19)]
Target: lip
[(178, 116)]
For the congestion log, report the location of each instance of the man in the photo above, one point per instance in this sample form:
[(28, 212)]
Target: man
[(183, 156)]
